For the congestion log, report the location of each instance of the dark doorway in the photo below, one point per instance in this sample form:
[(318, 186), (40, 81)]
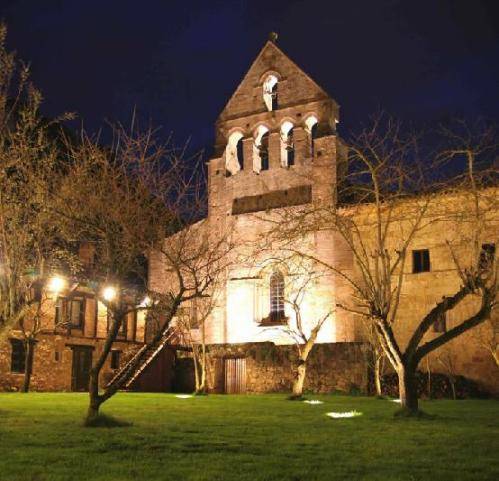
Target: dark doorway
[(82, 362)]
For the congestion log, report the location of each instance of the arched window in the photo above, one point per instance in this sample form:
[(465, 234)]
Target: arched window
[(287, 145), (261, 149), (270, 92), (276, 296), (234, 161), (311, 127), (264, 151), (239, 153)]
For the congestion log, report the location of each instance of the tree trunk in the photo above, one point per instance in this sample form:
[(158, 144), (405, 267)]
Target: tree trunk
[(299, 380), (28, 367), (93, 410), (495, 356), (95, 399), (452, 381), (377, 375), (408, 392), (197, 382)]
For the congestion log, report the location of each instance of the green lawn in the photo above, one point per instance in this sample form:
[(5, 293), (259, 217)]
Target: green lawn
[(245, 438)]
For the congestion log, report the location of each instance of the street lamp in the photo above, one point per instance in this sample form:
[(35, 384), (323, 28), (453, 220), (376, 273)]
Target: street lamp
[(109, 293), (56, 284)]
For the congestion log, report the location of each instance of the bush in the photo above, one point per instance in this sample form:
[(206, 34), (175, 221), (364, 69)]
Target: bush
[(441, 387)]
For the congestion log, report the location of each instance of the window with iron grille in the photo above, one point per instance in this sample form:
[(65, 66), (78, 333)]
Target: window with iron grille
[(420, 261), (18, 356), (276, 296)]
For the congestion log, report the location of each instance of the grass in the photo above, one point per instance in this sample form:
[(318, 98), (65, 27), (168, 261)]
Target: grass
[(257, 438)]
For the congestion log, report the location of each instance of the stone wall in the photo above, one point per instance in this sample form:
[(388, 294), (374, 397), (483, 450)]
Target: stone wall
[(53, 362), (269, 367)]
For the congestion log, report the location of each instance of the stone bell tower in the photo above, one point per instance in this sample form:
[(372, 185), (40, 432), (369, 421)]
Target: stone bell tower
[(276, 146)]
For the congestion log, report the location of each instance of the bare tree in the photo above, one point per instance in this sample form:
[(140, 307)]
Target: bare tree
[(34, 323), (303, 326), (446, 358), (137, 199), (376, 357), (192, 325), (388, 200), (487, 338), (31, 244)]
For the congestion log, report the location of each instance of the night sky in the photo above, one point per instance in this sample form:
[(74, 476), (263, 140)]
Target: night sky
[(178, 62)]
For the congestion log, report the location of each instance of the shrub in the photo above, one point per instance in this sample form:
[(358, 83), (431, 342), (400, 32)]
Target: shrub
[(441, 387)]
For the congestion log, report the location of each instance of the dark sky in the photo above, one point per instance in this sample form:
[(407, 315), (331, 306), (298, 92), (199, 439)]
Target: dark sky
[(178, 62)]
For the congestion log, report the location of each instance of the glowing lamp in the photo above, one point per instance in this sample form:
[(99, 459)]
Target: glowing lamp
[(56, 284), (109, 293)]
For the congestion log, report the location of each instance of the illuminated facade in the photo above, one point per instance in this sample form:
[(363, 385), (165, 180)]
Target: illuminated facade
[(276, 148)]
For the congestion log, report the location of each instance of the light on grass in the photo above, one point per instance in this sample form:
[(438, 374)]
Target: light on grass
[(183, 396), (312, 401), (109, 293), (347, 414), (396, 401), (56, 284)]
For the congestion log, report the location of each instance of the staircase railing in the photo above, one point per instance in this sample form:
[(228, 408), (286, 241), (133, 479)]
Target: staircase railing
[(135, 365), (170, 333)]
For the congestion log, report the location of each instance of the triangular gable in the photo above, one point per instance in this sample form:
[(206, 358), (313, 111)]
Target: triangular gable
[(271, 59)]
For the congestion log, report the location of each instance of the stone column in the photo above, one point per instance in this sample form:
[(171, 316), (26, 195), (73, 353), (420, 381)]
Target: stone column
[(248, 143), (300, 140)]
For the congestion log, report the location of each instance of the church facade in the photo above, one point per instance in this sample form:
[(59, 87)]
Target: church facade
[(276, 149)]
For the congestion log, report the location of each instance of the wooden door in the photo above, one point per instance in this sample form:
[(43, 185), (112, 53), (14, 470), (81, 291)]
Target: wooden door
[(82, 363), (235, 376)]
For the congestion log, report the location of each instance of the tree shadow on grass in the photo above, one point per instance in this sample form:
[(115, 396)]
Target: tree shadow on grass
[(408, 414), (104, 421)]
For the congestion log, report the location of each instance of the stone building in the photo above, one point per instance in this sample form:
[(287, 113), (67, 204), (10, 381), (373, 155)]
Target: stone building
[(277, 148), (69, 336)]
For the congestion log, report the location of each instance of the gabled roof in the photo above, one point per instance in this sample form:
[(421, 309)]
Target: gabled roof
[(271, 58)]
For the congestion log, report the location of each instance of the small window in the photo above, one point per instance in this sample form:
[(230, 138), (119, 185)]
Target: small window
[(420, 261), (487, 255), (313, 136), (276, 296), (264, 151), (76, 312), (311, 126), (234, 161), (115, 359), (240, 153), (70, 312), (440, 325), (18, 357), (290, 148), (57, 356), (270, 92), (123, 328), (287, 144)]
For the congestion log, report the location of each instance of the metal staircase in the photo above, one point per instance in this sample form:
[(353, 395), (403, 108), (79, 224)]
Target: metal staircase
[(132, 369)]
